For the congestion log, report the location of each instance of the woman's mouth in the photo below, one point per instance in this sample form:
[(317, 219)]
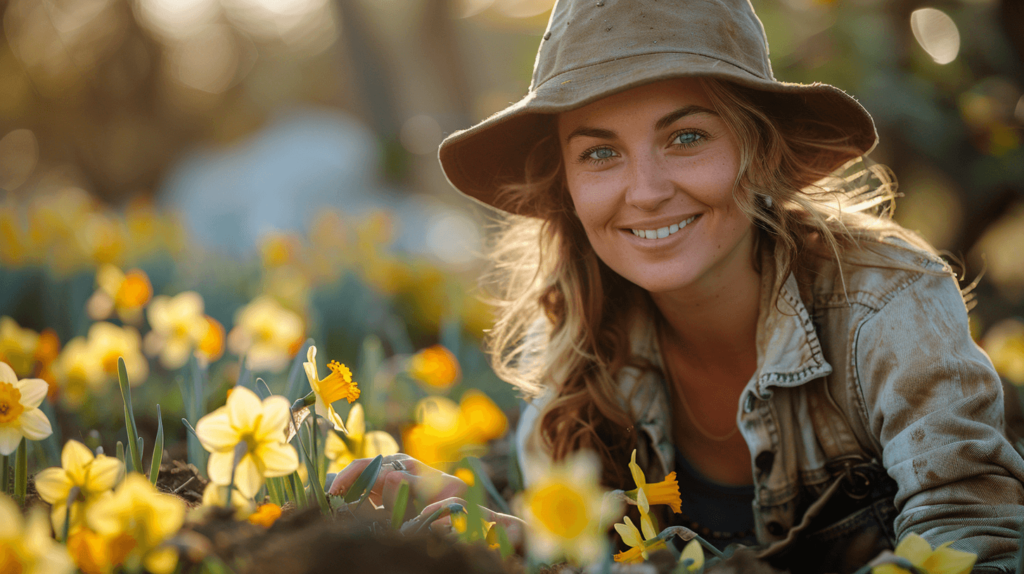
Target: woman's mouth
[(663, 232)]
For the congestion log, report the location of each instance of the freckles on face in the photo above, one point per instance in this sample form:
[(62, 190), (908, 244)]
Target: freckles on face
[(651, 172)]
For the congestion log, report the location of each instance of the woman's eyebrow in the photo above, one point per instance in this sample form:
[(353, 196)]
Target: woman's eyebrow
[(664, 122)]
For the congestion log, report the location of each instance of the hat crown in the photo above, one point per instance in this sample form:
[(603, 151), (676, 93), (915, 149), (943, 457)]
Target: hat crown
[(583, 33)]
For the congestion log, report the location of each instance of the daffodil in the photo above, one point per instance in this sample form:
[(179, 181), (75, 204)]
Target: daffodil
[(138, 511), (19, 410), (217, 495), (435, 367), (445, 432), (79, 372), (267, 334), (178, 325), (109, 342), (266, 515), (562, 511), (18, 346), (125, 293), (26, 546), (664, 492), (695, 554), (357, 443), (95, 553), (638, 546), (259, 427), (93, 476), (334, 387), (942, 560)]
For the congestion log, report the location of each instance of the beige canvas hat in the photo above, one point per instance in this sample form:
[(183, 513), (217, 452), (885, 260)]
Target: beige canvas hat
[(595, 48)]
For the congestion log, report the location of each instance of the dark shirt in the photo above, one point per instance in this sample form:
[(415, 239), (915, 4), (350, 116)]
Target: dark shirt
[(720, 513)]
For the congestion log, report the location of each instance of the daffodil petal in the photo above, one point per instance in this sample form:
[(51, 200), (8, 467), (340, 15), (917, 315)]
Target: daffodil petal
[(10, 519), (247, 476), (10, 438), (641, 502), (379, 442), (7, 374), (311, 375), (276, 412), (647, 527), (335, 419), (695, 552), (74, 457), (216, 432), (311, 356), (32, 392), (914, 548), (218, 466), (630, 535), (946, 560), (278, 459), (335, 448), (104, 473), (243, 408), (356, 421), (53, 485), (637, 472), (34, 425)]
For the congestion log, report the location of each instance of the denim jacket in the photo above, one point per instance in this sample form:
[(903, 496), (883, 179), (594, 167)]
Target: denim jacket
[(860, 364)]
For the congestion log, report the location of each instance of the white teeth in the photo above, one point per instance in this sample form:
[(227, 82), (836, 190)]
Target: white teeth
[(662, 232)]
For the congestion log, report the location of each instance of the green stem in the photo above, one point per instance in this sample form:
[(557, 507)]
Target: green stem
[(21, 473), (6, 475)]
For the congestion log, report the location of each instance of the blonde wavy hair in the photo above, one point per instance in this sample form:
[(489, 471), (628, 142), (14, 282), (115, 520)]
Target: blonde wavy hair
[(564, 316)]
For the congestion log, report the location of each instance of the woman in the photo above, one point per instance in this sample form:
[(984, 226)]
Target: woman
[(697, 277)]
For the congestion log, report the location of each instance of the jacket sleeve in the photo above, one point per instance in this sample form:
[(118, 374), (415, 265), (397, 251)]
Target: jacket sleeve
[(934, 402)]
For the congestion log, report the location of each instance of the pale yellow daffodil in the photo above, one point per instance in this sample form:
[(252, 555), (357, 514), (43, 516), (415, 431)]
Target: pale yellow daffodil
[(18, 346), (664, 492), (178, 325), (693, 552), (942, 560), (26, 546), (19, 410), (358, 443), (93, 475), (79, 372), (267, 334), (125, 293), (217, 495), (259, 426), (109, 342), (638, 546), (562, 511), (334, 387)]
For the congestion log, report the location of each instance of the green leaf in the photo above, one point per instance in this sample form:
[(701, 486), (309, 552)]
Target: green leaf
[(297, 492), (120, 451), (245, 378), (504, 544), (482, 478), (366, 480), (158, 448), (262, 389), (193, 392), (398, 509), (129, 416), (21, 472)]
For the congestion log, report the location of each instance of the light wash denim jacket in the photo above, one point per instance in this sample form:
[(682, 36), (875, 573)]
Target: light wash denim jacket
[(884, 369)]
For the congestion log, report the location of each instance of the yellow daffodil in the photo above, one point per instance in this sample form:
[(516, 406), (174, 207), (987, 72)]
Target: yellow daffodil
[(664, 492), (79, 372), (334, 387), (358, 443), (435, 367), (109, 342), (278, 249), (267, 333), (1004, 343), (18, 346), (266, 515), (638, 546), (94, 477), (445, 432), (217, 495), (211, 345), (125, 293), (260, 428), (46, 355), (942, 560), (178, 325), (562, 511), (26, 546), (95, 553), (19, 410), (693, 552)]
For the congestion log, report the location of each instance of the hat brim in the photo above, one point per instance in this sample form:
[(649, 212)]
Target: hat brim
[(479, 160)]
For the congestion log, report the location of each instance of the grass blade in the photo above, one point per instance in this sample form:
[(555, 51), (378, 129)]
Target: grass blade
[(158, 448), (120, 451), (485, 480), (133, 431), (401, 501), (194, 397), (298, 493), (366, 480), (21, 472), (262, 389)]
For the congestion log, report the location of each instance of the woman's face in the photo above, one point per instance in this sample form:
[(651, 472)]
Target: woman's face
[(659, 162)]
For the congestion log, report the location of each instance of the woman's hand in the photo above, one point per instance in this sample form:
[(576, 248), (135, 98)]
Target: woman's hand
[(513, 526), (426, 483)]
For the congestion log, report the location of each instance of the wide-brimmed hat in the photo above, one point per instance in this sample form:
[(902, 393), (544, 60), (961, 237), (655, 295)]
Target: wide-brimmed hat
[(595, 48)]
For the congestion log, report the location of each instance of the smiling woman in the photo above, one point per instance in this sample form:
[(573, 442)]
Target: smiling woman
[(697, 263)]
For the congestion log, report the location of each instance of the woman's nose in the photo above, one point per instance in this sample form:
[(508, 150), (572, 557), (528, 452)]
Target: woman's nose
[(650, 185)]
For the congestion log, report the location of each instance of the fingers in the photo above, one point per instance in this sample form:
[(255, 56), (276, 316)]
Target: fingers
[(348, 475), (514, 526)]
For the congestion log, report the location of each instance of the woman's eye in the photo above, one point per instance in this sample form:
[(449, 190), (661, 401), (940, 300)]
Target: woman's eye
[(601, 153), (688, 138)]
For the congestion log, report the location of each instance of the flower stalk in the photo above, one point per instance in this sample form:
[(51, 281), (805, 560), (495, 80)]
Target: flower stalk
[(21, 472)]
